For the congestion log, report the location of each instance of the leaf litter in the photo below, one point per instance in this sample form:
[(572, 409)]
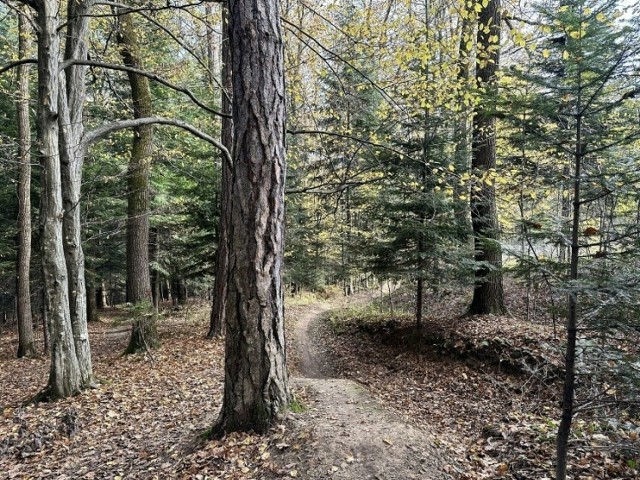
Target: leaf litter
[(149, 414), (488, 386), (146, 419)]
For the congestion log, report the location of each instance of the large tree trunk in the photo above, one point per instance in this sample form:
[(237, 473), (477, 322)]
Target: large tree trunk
[(144, 334), (217, 320), (26, 345), (65, 376), (256, 383), (71, 100), (488, 296)]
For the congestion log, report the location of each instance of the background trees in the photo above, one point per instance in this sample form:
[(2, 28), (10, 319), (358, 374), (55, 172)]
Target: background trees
[(26, 345), (406, 120)]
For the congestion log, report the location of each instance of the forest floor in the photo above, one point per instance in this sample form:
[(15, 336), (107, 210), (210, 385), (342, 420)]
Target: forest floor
[(352, 435), (372, 400), (487, 389)]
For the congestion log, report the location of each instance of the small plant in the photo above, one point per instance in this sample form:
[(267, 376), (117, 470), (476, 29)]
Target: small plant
[(296, 406)]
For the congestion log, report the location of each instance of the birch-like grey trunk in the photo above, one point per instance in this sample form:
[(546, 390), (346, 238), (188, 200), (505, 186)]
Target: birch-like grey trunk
[(71, 105), (256, 383), (65, 377), (26, 345)]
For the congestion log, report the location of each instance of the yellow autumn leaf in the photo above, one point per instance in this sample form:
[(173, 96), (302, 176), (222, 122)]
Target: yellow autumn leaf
[(545, 53), (600, 17), (565, 55)]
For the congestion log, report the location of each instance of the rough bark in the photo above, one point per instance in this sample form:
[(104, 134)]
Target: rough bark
[(144, 334), (488, 296), (256, 383), (64, 376), (217, 320), (71, 101), (26, 345)]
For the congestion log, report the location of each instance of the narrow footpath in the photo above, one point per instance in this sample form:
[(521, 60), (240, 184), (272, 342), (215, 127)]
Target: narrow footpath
[(352, 435)]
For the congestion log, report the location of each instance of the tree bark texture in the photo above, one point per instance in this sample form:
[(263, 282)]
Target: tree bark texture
[(488, 296), (217, 319), (26, 345), (256, 383), (144, 334), (64, 376), (71, 101)]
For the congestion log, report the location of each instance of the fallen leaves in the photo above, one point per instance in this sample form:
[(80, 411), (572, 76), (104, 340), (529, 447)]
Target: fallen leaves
[(136, 424), (489, 386)]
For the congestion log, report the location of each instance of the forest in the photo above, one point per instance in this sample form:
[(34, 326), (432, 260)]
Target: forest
[(351, 239)]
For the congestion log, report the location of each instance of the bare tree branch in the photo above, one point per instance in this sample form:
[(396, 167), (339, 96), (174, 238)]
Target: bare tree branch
[(29, 3), (351, 137), (125, 9), (17, 63), (144, 73), (100, 132), (388, 98)]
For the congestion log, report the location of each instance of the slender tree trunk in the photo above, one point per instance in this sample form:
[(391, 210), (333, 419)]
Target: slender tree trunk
[(45, 322), (65, 376), (564, 429), (102, 299), (144, 334), (565, 199), (72, 95), (167, 289), (154, 239), (217, 319), (256, 383), (461, 132), (92, 302), (488, 296), (211, 42), (26, 345), (419, 302)]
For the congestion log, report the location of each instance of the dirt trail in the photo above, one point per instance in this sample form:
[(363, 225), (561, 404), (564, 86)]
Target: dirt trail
[(353, 436)]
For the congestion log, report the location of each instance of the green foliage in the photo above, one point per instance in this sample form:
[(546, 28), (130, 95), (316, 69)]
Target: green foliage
[(296, 406)]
